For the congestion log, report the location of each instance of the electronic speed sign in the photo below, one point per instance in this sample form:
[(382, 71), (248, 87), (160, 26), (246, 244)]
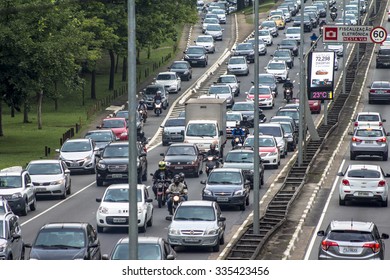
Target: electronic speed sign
[(378, 35)]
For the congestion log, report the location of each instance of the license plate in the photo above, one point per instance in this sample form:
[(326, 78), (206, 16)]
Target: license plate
[(74, 164), (116, 175), (119, 220), (363, 193), (194, 61), (40, 189), (178, 167), (368, 142), (223, 199), (379, 91), (191, 240), (349, 250)]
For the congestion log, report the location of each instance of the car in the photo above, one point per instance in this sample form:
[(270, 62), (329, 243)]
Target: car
[(244, 159), (351, 240), (262, 46), (182, 68), (290, 6), (4, 206), (352, 18), (386, 42), (149, 248), (11, 241), (313, 18), (196, 55), (232, 81), (210, 15), (266, 97), (206, 41), (65, 241), (101, 137), (379, 91), (184, 157), (276, 130), (149, 93), (209, 20), (293, 33), (114, 205), (307, 24), (227, 187), (231, 120), (170, 80), (265, 35), (268, 149), (369, 140), (197, 223), (112, 164), (287, 14), (245, 49), (290, 135), (247, 109), (50, 177), (221, 14), (289, 44), (214, 30), (118, 125), (17, 188), (279, 20), (278, 68), (271, 26), (321, 8), (291, 112), (368, 119), (222, 91), (363, 182), (284, 55), (285, 119), (237, 65), (172, 130), (337, 48), (270, 81), (383, 57)]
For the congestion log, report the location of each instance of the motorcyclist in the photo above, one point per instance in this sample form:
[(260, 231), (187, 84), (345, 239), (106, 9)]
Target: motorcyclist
[(142, 106), (157, 96), (161, 169), (237, 132), (182, 180), (213, 151), (288, 85), (175, 187), (313, 39)]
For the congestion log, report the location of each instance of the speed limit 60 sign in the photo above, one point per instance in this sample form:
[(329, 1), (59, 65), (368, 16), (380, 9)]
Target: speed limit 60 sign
[(378, 35)]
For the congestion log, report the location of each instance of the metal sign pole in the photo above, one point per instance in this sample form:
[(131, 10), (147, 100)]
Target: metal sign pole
[(302, 85), (326, 101), (344, 52)]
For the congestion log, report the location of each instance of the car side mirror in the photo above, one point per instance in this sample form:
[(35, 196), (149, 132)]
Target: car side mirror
[(221, 219), (162, 154), (105, 257), (340, 174), (265, 68), (387, 133), (170, 257), (98, 199), (350, 133), (384, 236), (321, 233), (203, 182), (168, 218), (150, 200), (384, 120), (238, 82), (221, 132), (99, 127)]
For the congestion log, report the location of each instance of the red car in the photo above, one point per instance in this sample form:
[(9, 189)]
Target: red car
[(314, 105), (118, 126)]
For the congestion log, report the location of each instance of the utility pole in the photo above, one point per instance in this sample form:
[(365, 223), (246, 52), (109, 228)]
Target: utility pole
[(302, 85)]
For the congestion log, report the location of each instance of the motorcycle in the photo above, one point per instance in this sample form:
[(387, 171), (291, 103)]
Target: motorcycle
[(333, 13), (288, 91), (322, 23), (143, 114), (211, 163), (161, 186), (158, 107), (176, 199), (288, 95), (238, 140), (313, 44)]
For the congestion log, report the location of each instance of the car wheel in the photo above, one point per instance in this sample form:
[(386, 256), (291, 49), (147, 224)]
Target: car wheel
[(341, 202), (99, 229), (243, 206), (139, 178), (165, 143), (352, 155), (262, 180), (63, 196), (145, 175), (92, 171), (99, 182), (143, 227), (370, 101), (216, 247), (69, 190), (247, 201), (384, 203), (150, 222), (222, 240), (33, 205), (25, 209), (196, 174)]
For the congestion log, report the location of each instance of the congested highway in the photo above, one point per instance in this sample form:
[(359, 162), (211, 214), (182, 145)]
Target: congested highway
[(82, 205)]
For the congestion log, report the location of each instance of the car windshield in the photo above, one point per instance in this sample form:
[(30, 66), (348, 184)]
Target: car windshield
[(195, 50), (363, 173), (9, 182), (380, 85), (76, 147), (268, 24), (240, 157), (241, 47), (213, 27), (120, 195), (179, 66), (292, 31), (263, 142), (227, 79), (99, 136), (194, 213), (44, 168), (276, 66), (204, 39), (165, 77), (264, 33), (266, 79), (350, 236), (228, 177), (201, 129), (243, 107), (116, 152), (113, 123), (252, 41), (146, 251), (175, 122), (369, 133), (219, 90), (237, 60), (233, 117), (368, 118), (262, 90), (384, 51), (270, 130), (218, 11), (282, 54), (211, 20), (181, 150), (293, 114), (286, 127), (60, 238)]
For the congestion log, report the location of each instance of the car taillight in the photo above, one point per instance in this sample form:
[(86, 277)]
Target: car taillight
[(382, 183), (356, 124), (345, 182), (354, 139), (383, 140), (326, 244), (372, 90), (374, 246), (380, 123)]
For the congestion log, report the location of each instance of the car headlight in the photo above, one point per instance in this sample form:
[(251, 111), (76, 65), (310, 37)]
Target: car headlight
[(269, 99), (101, 166), (167, 163), (174, 231), (2, 248), (252, 52), (212, 231), (202, 57), (58, 182), (273, 153), (103, 210), (186, 57), (315, 103), (207, 192), (239, 192), (88, 158), (17, 195)]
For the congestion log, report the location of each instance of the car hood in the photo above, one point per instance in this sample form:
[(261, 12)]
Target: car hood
[(178, 70), (57, 254), (115, 208), (241, 66), (179, 158), (206, 44), (213, 32), (194, 55), (166, 82), (230, 123), (119, 130), (75, 155), (226, 188), (115, 160), (46, 178), (10, 191), (193, 225), (242, 165), (244, 51)]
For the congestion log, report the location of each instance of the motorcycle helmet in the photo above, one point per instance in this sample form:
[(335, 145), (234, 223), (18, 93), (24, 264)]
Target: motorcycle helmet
[(212, 146), (238, 124), (182, 176), (176, 179), (161, 165)]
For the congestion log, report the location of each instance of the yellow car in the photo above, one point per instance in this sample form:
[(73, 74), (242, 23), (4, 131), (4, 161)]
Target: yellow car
[(279, 20)]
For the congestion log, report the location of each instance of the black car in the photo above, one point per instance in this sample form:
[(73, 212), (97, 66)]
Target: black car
[(284, 55), (150, 91), (245, 49), (266, 79), (196, 55), (289, 44), (182, 68), (65, 241), (383, 57), (113, 163), (102, 137), (307, 24)]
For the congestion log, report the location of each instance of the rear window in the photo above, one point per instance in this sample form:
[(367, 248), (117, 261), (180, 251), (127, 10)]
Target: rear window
[(350, 236), (364, 173), (384, 51), (368, 118), (271, 130), (369, 133)]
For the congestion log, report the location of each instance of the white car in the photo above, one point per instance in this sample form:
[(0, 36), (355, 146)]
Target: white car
[(232, 81), (231, 120), (222, 91), (266, 36), (238, 65), (170, 80), (268, 149), (113, 210), (206, 41), (336, 47), (262, 46), (207, 21), (363, 182), (352, 18), (278, 68), (276, 130), (368, 119), (266, 97), (294, 33), (50, 177), (214, 30), (221, 15), (287, 14)]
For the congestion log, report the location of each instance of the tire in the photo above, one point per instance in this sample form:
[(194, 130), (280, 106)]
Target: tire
[(352, 155), (143, 228), (222, 240), (243, 206), (247, 201), (159, 201), (99, 229), (99, 182), (145, 175), (384, 203), (92, 171), (64, 195), (385, 156), (370, 101), (216, 247), (341, 202), (25, 209), (33, 206), (69, 190), (150, 222), (165, 143)]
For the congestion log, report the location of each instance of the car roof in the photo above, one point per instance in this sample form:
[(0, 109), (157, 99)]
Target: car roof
[(54, 225), (121, 186), (182, 145), (240, 151), (269, 124), (114, 118), (262, 136), (98, 131), (225, 169), (351, 225), (166, 73), (45, 161), (13, 170), (118, 143), (369, 113), (364, 166), (142, 239)]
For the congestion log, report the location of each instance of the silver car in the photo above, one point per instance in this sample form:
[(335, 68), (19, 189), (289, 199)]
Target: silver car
[(197, 223), (232, 81), (206, 41), (369, 140), (222, 91), (172, 130), (214, 30), (238, 65), (351, 240)]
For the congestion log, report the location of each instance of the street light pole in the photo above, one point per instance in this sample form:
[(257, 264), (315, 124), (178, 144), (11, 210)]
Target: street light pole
[(302, 85)]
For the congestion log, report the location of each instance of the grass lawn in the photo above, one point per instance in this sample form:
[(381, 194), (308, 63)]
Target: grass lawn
[(263, 7), (24, 142)]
